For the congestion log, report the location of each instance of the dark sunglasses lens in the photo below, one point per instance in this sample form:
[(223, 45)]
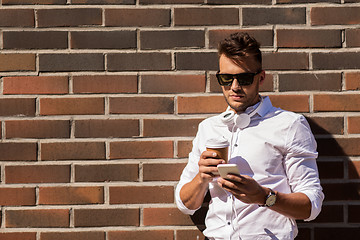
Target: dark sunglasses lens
[(245, 79), (225, 79)]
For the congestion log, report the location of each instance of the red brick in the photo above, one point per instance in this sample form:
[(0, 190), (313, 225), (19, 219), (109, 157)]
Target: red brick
[(265, 37), (31, 2), (170, 1), (170, 127), (107, 173), (240, 2), (109, 128), (354, 211), (338, 146), (138, 105), (37, 129), (334, 232), (36, 85), (326, 125), (304, 233), (73, 150), (72, 106), (105, 84), (68, 62), (206, 16), (165, 217), (37, 218), (141, 149), (17, 197), (17, 107), (35, 40), (334, 15), (352, 80), (138, 61), (354, 169), (285, 61), (341, 191), (310, 82), (295, 103), (69, 17), (88, 235), (137, 17), (265, 16), (172, 83), (330, 213), (71, 195), (162, 171), (103, 40), (336, 60), (203, 104), (352, 37), (308, 38), (353, 125), (18, 235), (141, 194), (17, 17), (331, 170), (305, 1), (197, 61), (37, 174), (11, 151), (103, 2), (172, 39), (184, 148), (142, 234), (336, 102), (17, 62), (106, 217), (189, 234)]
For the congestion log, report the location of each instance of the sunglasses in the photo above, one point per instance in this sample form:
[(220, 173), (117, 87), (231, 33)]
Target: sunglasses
[(244, 79)]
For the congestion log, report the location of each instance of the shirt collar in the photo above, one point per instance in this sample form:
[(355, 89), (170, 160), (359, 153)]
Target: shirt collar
[(263, 109)]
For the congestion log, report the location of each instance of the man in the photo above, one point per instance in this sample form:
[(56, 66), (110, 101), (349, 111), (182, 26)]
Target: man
[(275, 153)]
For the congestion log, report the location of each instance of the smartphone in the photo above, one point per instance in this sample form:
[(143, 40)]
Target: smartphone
[(225, 169)]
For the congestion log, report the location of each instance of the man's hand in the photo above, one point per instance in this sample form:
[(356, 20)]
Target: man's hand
[(208, 166), (244, 188)]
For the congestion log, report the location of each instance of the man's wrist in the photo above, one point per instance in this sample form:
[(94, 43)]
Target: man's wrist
[(269, 199)]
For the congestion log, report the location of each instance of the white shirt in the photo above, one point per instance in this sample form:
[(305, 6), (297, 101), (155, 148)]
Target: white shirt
[(278, 150)]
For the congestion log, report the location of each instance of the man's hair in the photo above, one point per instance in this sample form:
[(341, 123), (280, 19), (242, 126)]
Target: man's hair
[(239, 46)]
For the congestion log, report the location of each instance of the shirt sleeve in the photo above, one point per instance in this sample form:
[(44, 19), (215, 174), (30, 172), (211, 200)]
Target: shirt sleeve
[(188, 174), (300, 164)]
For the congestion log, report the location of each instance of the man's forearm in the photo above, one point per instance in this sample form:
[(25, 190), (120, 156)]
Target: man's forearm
[(192, 194), (293, 205)]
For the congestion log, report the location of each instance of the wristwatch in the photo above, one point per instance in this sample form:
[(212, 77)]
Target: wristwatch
[(270, 199)]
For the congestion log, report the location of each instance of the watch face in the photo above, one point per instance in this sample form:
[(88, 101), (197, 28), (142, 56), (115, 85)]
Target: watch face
[(270, 201)]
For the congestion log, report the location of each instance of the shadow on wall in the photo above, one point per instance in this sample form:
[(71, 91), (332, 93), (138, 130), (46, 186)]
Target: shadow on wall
[(340, 215)]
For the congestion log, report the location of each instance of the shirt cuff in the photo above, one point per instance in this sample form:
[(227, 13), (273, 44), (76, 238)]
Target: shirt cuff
[(181, 205), (316, 199)]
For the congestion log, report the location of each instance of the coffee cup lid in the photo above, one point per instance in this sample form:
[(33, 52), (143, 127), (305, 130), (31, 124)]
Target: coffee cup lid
[(217, 143)]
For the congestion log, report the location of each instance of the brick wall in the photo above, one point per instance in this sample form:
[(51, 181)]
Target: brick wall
[(100, 99)]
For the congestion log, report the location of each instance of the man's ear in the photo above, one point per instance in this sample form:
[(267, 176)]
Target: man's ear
[(262, 77)]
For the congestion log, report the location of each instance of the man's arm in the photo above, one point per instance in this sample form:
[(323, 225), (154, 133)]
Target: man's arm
[(192, 194), (247, 190)]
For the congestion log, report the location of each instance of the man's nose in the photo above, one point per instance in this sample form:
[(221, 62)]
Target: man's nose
[(235, 86)]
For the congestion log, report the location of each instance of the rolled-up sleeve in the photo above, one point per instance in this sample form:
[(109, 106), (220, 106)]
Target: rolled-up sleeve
[(190, 171), (300, 164)]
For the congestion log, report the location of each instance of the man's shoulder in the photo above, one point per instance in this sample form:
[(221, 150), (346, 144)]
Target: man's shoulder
[(286, 117)]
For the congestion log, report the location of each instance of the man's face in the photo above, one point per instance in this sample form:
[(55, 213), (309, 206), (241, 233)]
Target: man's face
[(240, 97)]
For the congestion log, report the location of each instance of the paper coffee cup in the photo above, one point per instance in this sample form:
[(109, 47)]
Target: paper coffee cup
[(220, 146)]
